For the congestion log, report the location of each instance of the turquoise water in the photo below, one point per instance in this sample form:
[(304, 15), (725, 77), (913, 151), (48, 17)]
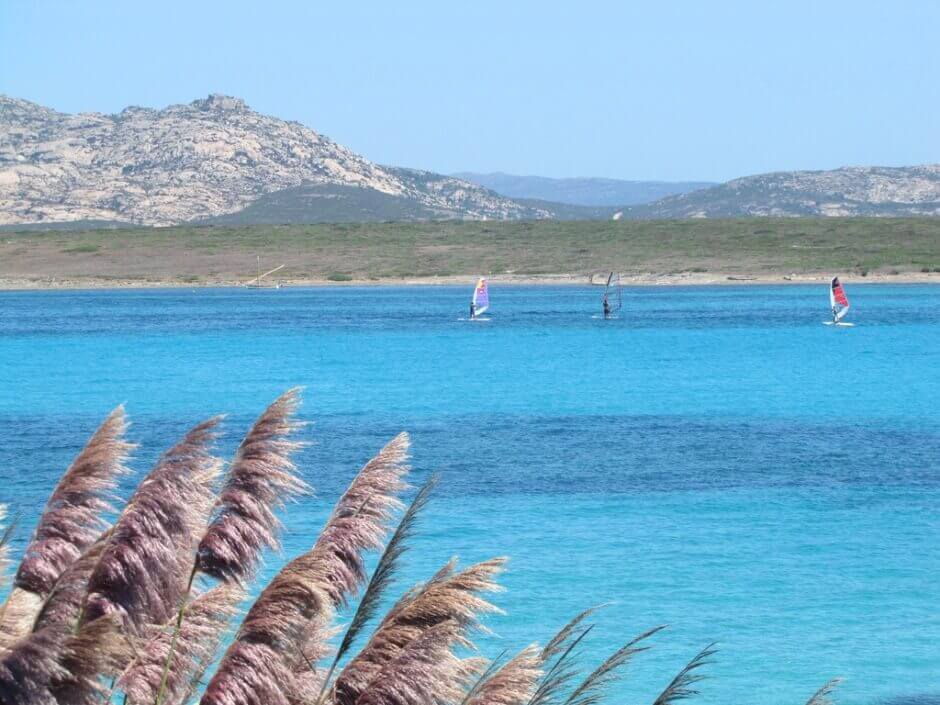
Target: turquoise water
[(715, 459)]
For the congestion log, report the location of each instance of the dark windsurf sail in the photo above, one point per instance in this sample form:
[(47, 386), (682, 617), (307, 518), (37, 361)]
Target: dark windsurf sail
[(612, 293)]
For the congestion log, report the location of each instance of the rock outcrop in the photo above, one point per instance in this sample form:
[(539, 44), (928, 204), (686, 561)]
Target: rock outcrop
[(194, 162)]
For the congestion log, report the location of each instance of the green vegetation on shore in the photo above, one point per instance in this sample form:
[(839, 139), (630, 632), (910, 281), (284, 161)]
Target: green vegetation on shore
[(375, 251)]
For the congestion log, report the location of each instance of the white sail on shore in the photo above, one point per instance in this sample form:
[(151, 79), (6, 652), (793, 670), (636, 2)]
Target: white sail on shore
[(258, 281)]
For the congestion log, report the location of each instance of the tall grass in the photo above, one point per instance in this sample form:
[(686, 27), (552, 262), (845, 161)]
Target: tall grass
[(138, 609)]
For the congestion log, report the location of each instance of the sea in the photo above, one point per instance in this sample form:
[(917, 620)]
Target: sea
[(713, 459)]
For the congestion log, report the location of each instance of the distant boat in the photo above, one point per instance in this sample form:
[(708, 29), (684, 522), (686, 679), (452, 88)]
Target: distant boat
[(481, 298), (838, 302), (613, 295), (258, 282)]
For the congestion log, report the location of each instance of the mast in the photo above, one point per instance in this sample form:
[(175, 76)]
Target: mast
[(257, 281), (837, 299)]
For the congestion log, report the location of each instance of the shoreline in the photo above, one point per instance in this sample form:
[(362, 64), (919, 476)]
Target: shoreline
[(650, 279)]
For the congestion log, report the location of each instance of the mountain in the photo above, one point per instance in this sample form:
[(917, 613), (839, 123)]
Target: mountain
[(849, 191), (217, 161), (580, 191), (197, 162)]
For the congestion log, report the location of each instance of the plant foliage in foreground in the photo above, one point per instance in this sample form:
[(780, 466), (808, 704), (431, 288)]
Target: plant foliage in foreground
[(138, 609)]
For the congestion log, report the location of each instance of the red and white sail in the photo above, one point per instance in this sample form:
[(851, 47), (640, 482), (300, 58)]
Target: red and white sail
[(838, 300)]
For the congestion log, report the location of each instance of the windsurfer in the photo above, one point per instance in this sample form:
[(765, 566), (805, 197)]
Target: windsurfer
[(473, 310), (606, 307)]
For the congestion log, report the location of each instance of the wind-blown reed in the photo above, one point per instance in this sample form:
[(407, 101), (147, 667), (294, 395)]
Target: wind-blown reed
[(592, 689), (564, 670), (123, 612), (822, 696), (682, 686), (258, 666), (143, 568), (63, 604), (5, 546), (261, 479), (73, 518), (382, 576), (424, 672), (513, 683), (49, 667), (207, 617), (449, 597)]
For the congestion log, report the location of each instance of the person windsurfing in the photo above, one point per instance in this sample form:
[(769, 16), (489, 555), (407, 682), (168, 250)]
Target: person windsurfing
[(612, 286), (838, 301), (480, 301)]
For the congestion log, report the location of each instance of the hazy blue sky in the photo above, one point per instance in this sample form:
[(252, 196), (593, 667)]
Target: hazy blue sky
[(653, 90)]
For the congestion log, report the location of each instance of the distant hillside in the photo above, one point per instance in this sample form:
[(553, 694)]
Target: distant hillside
[(581, 191), (340, 203), (850, 191), (334, 203), (195, 162)]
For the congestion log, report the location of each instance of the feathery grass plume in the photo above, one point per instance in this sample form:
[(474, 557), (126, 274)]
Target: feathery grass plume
[(307, 679), (16, 616), (563, 645), (821, 696), (98, 650), (593, 689), (492, 667), (424, 672), (207, 617), (63, 605), (681, 686), (5, 545), (52, 667), (19, 606), (319, 636), (143, 569), (448, 597), (72, 519), (257, 668), (560, 641), (383, 575), (260, 480), (564, 670), (513, 683)]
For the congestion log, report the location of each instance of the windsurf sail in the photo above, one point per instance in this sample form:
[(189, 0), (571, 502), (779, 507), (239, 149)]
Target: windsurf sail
[(838, 300), (612, 293), (481, 297)]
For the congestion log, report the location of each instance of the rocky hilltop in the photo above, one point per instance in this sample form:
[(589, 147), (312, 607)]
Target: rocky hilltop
[(850, 191), (202, 161)]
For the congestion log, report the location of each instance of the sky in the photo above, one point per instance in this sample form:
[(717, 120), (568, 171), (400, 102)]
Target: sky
[(666, 90)]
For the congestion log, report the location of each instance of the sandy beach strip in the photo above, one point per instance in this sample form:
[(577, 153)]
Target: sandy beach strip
[(643, 279)]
